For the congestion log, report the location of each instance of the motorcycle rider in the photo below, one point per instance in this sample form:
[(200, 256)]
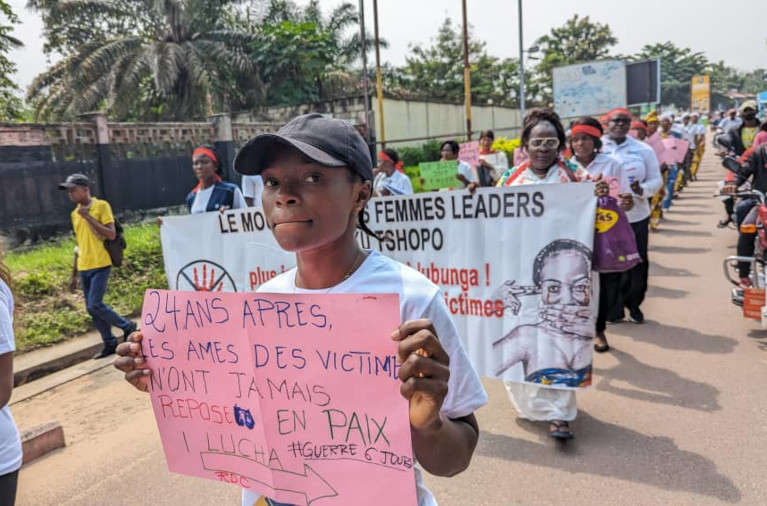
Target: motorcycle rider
[(739, 137), (753, 168)]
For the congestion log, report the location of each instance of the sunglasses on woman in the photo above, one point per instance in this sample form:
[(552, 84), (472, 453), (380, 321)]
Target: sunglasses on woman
[(548, 142)]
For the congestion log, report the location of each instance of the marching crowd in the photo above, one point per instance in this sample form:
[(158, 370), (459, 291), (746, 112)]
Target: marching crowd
[(314, 178)]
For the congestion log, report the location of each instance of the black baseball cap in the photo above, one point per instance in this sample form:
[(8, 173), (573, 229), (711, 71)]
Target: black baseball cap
[(75, 180), (325, 141)]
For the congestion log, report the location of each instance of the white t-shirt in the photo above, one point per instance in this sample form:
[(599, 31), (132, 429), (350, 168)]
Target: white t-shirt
[(418, 298), (10, 442), (253, 188), (466, 171), (397, 184), (202, 197), (498, 160), (640, 164), (611, 170)]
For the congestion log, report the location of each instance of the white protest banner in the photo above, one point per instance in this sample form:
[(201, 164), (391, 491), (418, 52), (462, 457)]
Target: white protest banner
[(513, 264)]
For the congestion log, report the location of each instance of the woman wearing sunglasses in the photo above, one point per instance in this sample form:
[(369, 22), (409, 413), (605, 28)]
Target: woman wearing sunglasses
[(544, 139)]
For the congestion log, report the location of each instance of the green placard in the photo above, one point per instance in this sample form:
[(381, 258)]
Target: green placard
[(438, 175)]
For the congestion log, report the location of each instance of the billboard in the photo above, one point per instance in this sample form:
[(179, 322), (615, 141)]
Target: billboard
[(588, 89), (643, 82), (700, 94)]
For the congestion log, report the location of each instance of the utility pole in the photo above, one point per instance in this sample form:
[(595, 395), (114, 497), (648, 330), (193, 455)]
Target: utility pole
[(379, 79), (466, 72), (521, 66), (364, 71)]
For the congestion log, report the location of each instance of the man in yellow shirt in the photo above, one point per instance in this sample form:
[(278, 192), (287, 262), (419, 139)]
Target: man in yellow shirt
[(92, 221)]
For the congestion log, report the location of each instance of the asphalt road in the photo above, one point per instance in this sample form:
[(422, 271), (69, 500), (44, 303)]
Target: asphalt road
[(676, 414)]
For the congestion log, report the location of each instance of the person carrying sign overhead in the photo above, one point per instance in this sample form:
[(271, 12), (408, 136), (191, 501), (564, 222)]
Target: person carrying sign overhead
[(92, 221), (318, 177), (543, 136)]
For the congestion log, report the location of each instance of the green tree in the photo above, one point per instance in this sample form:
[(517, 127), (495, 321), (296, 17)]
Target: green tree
[(303, 56), (174, 57), (578, 40), (677, 67), (10, 103), (436, 72), (724, 79)]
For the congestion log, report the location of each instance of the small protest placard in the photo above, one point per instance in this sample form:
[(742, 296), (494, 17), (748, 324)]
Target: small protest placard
[(469, 152), (295, 397), (438, 175)]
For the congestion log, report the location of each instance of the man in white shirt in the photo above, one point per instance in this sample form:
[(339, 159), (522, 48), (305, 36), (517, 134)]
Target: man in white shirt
[(643, 170), (252, 188), (731, 121)]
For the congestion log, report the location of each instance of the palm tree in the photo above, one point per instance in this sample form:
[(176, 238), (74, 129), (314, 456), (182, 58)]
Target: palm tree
[(331, 43), (180, 57)]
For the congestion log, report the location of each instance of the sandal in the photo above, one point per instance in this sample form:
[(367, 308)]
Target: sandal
[(601, 348), (560, 429)]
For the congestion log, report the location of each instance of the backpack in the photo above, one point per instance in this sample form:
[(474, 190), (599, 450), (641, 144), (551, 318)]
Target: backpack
[(117, 246)]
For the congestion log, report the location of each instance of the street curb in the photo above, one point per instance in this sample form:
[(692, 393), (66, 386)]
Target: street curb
[(41, 440), (38, 371)]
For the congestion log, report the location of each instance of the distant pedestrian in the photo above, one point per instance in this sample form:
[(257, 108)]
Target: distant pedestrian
[(93, 222), (212, 193), (10, 443)]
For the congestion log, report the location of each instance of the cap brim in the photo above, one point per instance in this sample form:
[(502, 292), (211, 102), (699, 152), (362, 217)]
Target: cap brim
[(66, 186), (250, 159)]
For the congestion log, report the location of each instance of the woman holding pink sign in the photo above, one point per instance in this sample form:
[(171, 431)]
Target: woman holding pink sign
[(318, 177), (586, 145)]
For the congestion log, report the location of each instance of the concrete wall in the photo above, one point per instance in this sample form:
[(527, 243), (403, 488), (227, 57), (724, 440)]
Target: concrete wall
[(407, 123)]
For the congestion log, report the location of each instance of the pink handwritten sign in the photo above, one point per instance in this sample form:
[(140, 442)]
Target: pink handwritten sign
[(615, 186), (469, 152), (677, 149), (295, 397), (656, 143)]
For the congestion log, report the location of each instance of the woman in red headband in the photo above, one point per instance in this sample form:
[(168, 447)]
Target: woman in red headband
[(390, 179), (586, 145), (211, 193), (639, 129)]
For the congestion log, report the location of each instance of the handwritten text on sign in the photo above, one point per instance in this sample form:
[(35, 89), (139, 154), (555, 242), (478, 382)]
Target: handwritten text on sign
[(438, 175), (295, 397)]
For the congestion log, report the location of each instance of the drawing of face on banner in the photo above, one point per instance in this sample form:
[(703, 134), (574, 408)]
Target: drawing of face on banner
[(556, 349)]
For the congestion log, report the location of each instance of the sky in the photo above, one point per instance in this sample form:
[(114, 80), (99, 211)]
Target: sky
[(734, 31)]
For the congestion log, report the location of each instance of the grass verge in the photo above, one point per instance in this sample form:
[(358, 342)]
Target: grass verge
[(46, 313)]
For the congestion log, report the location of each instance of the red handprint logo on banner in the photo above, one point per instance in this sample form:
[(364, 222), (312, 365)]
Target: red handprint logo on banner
[(204, 276)]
